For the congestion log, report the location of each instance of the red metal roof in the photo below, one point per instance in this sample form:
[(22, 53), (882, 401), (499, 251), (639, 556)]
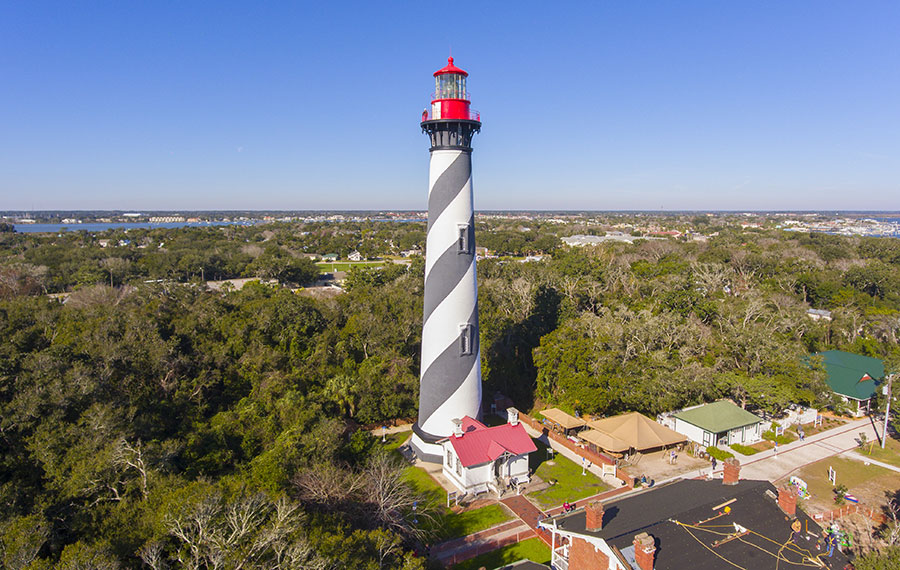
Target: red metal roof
[(480, 444), (450, 69)]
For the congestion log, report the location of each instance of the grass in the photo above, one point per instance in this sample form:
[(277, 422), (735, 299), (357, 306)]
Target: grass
[(570, 484), (858, 477), (890, 454), (450, 524), (330, 267), (468, 522), (393, 441), (533, 549), (744, 449)]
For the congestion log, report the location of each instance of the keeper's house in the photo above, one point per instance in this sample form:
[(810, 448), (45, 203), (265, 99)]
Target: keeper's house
[(853, 377), (478, 458), (719, 423)]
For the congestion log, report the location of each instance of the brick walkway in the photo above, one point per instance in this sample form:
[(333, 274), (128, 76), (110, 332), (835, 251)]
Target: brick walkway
[(527, 513)]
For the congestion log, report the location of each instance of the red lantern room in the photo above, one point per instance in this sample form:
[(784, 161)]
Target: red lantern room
[(450, 121), (451, 100)]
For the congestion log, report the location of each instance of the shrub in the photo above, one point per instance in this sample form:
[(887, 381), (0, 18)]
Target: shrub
[(769, 435), (839, 492), (743, 449), (719, 454)]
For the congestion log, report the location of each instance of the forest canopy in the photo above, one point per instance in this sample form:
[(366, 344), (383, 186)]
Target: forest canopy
[(146, 405)]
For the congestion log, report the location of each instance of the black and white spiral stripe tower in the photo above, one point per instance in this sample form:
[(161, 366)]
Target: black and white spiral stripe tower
[(450, 378)]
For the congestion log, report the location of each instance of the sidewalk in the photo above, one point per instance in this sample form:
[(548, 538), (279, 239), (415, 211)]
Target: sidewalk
[(771, 466)]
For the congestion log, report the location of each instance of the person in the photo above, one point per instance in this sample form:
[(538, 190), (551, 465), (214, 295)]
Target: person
[(775, 449), (800, 433), (425, 115), (672, 457), (713, 463)]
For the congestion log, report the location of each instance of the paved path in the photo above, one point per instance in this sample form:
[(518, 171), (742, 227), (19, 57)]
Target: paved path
[(466, 547), (772, 466)]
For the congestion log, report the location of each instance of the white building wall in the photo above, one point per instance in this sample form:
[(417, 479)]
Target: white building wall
[(518, 468), (690, 431)]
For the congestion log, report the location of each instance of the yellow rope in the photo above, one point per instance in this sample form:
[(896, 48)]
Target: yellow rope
[(778, 556)]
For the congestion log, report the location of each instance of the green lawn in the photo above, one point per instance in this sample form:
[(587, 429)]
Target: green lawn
[(570, 484), (861, 480), (533, 549), (468, 522), (393, 440), (327, 266), (890, 454), (450, 524)]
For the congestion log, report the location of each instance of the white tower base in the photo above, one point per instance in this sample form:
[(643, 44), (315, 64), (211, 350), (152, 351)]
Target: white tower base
[(427, 452)]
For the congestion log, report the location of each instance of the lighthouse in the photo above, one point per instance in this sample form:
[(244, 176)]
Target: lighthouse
[(450, 377)]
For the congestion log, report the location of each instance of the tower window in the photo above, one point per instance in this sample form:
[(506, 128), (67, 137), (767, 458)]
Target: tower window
[(466, 334), (462, 242)]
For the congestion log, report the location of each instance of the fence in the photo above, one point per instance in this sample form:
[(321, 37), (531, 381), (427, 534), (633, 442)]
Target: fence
[(873, 514), (598, 458)]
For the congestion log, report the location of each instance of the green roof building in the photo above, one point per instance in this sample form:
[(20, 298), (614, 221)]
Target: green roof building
[(853, 377), (717, 423)]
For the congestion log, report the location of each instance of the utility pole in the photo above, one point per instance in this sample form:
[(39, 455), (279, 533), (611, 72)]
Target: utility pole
[(887, 409)]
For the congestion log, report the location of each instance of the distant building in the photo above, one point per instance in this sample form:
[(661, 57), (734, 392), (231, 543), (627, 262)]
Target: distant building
[(355, 256), (166, 219), (478, 458), (330, 257), (853, 377), (718, 423), (817, 314), (582, 240)]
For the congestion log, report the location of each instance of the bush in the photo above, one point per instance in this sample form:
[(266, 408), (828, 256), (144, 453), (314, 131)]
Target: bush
[(839, 492), (743, 449), (719, 454), (769, 435)]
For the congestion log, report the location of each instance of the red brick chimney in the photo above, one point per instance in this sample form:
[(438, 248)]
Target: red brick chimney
[(787, 500), (731, 471), (593, 514), (644, 550), (585, 556)]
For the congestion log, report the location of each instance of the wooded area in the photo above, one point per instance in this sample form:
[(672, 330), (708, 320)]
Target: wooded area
[(150, 422)]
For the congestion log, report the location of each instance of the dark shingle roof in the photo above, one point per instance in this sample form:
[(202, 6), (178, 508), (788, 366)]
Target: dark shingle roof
[(663, 513), (852, 375)]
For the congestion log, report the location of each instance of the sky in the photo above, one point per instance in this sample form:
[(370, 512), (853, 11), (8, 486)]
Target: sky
[(651, 105)]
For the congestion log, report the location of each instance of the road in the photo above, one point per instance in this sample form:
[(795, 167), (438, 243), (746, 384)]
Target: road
[(792, 456)]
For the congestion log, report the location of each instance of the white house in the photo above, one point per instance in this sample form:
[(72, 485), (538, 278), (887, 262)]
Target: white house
[(478, 458), (719, 423), (355, 256)]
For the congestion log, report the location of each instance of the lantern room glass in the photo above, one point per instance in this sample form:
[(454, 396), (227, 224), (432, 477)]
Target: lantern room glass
[(450, 86)]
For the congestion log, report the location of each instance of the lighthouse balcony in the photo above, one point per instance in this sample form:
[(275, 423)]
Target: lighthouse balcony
[(465, 115)]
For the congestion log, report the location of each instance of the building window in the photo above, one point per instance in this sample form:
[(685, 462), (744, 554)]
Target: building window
[(466, 334), (462, 241), (458, 467), (449, 458)]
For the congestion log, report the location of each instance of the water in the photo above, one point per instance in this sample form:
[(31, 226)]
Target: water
[(98, 227)]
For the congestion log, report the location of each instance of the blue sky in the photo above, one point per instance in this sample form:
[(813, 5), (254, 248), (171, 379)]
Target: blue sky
[(585, 105)]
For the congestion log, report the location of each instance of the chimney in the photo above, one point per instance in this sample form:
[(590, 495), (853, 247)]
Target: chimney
[(787, 500), (731, 471), (457, 427), (585, 556), (513, 416), (644, 551), (593, 516)]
